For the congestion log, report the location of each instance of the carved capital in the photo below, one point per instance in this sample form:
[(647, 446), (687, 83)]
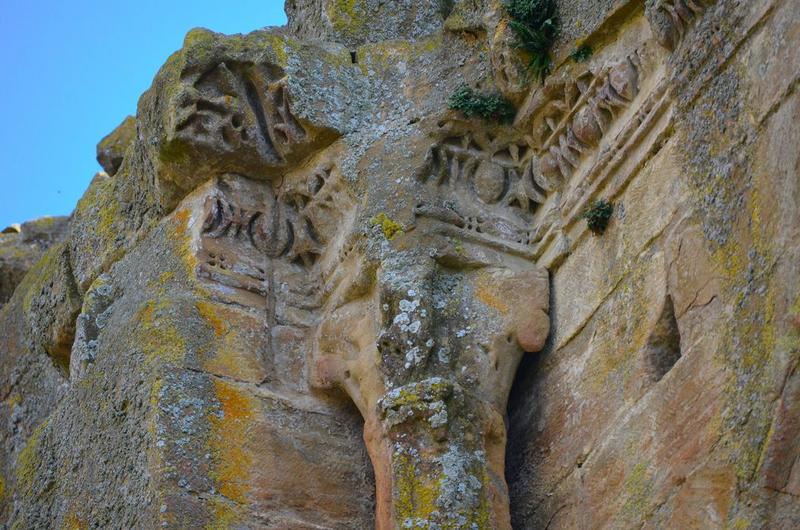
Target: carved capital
[(428, 353)]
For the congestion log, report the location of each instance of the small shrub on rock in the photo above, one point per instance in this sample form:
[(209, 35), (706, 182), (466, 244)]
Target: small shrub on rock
[(598, 215)]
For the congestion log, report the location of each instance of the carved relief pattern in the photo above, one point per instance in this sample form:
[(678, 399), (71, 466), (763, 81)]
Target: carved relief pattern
[(568, 127), (512, 191), (250, 229), (236, 105), (229, 254), (225, 218), (320, 200), (483, 189)]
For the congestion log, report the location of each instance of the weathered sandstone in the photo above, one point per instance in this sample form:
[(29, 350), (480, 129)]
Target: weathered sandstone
[(306, 293)]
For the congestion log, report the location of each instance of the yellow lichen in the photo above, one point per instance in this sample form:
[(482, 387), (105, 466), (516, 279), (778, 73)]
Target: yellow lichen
[(415, 495), (183, 242), (418, 493), (225, 515), (158, 335), (348, 16), (639, 489), (38, 276), (391, 229), (28, 461), (99, 212), (278, 44), (740, 523)]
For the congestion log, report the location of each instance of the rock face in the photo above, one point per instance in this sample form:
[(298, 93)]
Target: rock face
[(111, 149), (302, 294), (21, 246)]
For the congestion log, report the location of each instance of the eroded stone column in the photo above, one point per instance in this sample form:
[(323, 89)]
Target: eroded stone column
[(428, 353)]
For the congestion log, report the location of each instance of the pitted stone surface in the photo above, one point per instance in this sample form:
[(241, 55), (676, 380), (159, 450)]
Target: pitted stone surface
[(307, 294)]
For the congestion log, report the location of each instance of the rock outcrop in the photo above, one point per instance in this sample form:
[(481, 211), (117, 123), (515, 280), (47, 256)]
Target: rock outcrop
[(21, 246), (306, 293)]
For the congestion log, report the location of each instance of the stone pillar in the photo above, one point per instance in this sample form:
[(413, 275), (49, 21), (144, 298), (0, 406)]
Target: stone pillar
[(428, 355)]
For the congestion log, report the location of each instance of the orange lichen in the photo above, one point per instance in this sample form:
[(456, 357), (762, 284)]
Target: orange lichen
[(73, 522), (181, 221), (231, 354), (491, 298), (13, 400), (232, 459), (210, 315)]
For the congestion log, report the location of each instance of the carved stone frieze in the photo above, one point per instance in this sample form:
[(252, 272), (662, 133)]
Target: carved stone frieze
[(513, 194), (579, 114), (479, 186), (253, 234), (589, 129)]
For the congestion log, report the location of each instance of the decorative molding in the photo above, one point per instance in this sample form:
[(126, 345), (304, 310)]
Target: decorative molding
[(568, 128), (481, 190)]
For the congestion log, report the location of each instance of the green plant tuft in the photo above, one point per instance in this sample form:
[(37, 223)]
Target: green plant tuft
[(488, 106), (582, 53), (535, 23), (597, 215)]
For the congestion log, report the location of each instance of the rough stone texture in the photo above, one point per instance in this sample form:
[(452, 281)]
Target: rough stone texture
[(356, 22), (304, 295), (21, 246), (111, 149)]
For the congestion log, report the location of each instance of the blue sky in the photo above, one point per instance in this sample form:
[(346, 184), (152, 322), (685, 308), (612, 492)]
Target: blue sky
[(71, 71)]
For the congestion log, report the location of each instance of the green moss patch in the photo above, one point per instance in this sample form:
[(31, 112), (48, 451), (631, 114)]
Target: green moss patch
[(492, 107)]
